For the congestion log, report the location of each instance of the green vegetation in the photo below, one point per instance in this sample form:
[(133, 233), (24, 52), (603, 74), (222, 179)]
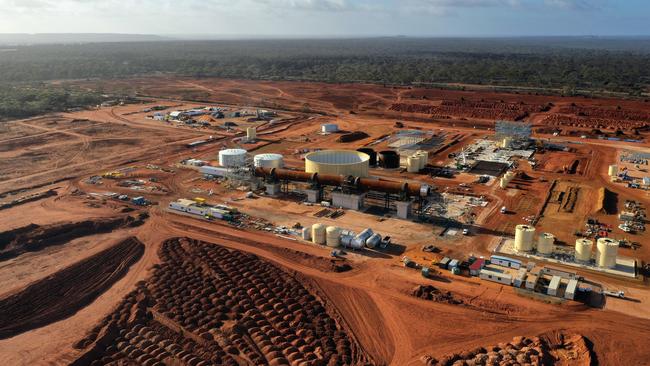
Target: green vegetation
[(567, 64), (21, 101)]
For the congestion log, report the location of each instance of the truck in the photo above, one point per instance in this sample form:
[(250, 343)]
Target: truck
[(614, 293)]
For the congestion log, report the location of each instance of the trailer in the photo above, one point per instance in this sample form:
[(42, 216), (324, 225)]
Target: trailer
[(553, 286), (502, 278), (570, 292)]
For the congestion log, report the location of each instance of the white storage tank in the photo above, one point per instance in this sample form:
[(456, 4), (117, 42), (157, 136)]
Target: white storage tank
[(329, 128), (503, 183), (318, 234), (413, 164), (424, 158), (230, 158), (545, 243), (359, 241), (613, 170), (306, 233), (251, 134), (583, 250), (333, 236), (524, 236), (268, 161), (373, 241), (606, 252)]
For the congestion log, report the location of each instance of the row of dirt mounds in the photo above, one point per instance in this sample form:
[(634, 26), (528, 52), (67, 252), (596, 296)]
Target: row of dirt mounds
[(471, 109), (35, 237), (605, 113), (592, 122), (312, 261), (432, 293), (27, 199), (208, 305), (68, 290), (552, 348)]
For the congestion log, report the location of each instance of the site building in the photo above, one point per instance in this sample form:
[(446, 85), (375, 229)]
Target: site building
[(505, 262), (520, 278), (571, 288), (502, 278), (476, 267), (554, 286)]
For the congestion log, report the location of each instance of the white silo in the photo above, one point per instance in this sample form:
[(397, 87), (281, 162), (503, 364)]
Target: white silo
[(524, 236), (545, 243), (230, 158), (318, 234), (612, 170), (333, 236), (306, 233), (251, 134), (412, 164), (268, 161), (423, 158), (583, 250), (606, 252)]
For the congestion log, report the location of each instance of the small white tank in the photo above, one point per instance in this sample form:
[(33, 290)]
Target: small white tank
[(251, 134), (229, 158), (359, 241), (545, 243), (413, 164), (318, 234), (268, 161), (524, 236), (583, 250), (333, 236), (306, 233), (424, 158), (613, 170), (606, 252)]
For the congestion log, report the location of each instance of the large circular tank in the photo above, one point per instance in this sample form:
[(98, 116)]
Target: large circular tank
[(268, 161), (524, 236), (545, 243), (583, 250), (371, 153), (251, 133), (229, 158), (333, 236), (329, 128), (613, 170), (338, 162), (606, 252), (389, 159), (318, 234), (413, 164)]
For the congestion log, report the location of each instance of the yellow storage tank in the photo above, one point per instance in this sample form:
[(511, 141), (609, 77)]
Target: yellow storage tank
[(338, 162), (524, 236), (333, 236), (424, 158), (613, 170), (606, 252), (251, 133), (318, 234), (583, 250), (545, 243)]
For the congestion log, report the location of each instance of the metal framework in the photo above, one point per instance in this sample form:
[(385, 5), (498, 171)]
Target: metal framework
[(634, 155), (516, 130)]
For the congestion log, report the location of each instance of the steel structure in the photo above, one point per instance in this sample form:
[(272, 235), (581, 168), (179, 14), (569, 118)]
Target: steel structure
[(515, 130)]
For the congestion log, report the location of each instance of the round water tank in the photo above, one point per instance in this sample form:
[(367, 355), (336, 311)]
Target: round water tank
[(371, 153), (613, 170), (333, 236), (524, 235), (268, 161), (232, 158), (606, 252), (545, 243), (373, 241), (424, 158), (413, 164), (583, 250), (251, 133), (338, 162), (318, 234), (389, 159), (329, 128)]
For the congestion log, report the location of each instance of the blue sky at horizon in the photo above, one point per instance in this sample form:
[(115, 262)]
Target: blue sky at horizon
[(329, 17)]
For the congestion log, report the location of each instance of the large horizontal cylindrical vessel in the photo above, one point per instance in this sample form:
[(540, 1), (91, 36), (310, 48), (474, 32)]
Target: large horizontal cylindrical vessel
[(373, 241), (524, 236), (268, 161), (606, 252), (583, 250), (318, 235), (338, 162), (545, 243), (333, 236), (230, 158)]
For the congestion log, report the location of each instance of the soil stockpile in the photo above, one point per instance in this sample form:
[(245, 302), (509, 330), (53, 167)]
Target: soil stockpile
[(64, 293), (205, 304), (34, 237)]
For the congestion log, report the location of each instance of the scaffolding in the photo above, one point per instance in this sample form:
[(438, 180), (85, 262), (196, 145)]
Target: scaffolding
[(242, 175), (514, 130)]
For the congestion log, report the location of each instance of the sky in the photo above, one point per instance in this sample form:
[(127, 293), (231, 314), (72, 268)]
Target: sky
[(305, 18)]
